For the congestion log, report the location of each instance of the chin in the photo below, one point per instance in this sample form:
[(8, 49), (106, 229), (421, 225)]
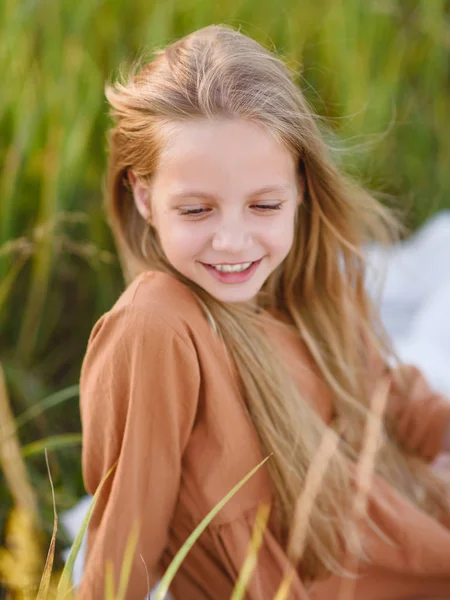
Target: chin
[(233, 296)]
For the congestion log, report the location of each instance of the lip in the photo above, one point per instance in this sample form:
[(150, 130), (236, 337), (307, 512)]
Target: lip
[(233, 277)]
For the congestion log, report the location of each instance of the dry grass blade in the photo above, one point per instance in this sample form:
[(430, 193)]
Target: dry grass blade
[(11, 459), (109, 581), (249, 565), (47, 574), (283, 590), (304, 506), (128, 562), (148, 579), (21, 559), (366, 464), (364, 472)]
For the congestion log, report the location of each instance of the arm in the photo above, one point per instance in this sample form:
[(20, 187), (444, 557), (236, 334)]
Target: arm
[(421, 416), (446, 442), (138, 396)]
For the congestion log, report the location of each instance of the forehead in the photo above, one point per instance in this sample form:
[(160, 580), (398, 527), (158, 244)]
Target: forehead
[(226, 153)]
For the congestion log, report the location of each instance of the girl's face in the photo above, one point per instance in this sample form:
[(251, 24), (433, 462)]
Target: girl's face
[(223, 201)]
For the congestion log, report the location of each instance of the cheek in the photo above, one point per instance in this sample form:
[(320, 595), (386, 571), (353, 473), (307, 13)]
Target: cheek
[(279, 234), (181, 240)]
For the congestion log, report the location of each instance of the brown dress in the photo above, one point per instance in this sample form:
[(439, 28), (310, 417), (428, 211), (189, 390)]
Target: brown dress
[(159, 393)]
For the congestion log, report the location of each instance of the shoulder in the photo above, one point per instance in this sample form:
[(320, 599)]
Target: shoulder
[(155, 305), (161, 296), (161, 292), (141, 344)]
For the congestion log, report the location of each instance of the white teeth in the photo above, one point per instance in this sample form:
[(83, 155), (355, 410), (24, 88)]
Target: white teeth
[(232, 268)]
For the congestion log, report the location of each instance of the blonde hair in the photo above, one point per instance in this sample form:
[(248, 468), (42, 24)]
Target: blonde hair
[(217, 72)]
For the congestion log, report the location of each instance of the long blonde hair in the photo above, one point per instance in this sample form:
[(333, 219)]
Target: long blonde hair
[(218, 72)]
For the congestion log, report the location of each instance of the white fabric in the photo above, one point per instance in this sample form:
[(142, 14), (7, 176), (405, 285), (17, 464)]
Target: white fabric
[(415, 299)]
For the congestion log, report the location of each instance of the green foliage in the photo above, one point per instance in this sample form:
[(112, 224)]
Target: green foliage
[(376, 71)]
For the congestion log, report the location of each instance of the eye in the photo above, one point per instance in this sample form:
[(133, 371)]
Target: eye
[(267, 207), (192, 212), (201, 211)]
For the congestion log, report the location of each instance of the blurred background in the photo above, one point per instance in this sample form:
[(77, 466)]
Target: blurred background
[(377, 71)]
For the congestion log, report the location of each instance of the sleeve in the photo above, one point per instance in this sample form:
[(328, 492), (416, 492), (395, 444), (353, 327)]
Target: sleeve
[(421, 416), (139, 389)]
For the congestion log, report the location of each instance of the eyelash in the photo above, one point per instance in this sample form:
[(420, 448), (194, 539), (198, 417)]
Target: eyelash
[(196, 212)]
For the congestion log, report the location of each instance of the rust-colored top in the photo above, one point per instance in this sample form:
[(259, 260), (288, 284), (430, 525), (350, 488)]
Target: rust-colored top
[(159, 393)]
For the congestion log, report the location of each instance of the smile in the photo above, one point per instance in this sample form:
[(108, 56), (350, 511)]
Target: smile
[(236, 268), (233, 273)]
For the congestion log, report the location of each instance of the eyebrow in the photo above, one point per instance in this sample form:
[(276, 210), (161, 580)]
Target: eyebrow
[(199, 194)]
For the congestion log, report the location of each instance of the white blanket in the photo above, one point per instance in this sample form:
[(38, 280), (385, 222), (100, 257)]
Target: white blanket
[(415, 299)]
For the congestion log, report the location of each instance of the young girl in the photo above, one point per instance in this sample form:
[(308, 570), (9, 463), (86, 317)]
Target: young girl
[(245, 331)]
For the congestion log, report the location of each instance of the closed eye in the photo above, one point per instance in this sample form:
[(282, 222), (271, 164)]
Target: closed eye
[(192, 211), (267, 207), (195, 212)]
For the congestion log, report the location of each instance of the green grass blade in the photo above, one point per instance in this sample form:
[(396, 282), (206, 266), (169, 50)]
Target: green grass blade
[(168, 576), (54, 442), (7, 282), (65, 582), (49, 402)]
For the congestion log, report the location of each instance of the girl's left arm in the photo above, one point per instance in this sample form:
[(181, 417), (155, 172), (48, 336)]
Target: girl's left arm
[(421, 415), (446, 443)]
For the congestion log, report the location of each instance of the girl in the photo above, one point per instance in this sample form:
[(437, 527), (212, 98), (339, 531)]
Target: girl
[(244, 332)]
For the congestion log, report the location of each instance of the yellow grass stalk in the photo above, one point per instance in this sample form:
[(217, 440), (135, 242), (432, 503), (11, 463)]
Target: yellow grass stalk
[(21, 560), (109, 580), (249, 565), (130, 551), (364, 472), (11, 459), (303, 509)]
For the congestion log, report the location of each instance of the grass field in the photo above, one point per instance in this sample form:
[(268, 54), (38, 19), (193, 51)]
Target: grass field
[(377, 71)]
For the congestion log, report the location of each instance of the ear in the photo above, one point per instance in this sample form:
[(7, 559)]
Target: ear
[(141, 195)]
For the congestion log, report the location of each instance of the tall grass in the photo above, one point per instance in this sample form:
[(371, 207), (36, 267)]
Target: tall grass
[(377, 72)]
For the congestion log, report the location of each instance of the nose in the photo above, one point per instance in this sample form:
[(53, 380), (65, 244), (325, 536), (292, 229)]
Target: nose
[(232, 238)]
